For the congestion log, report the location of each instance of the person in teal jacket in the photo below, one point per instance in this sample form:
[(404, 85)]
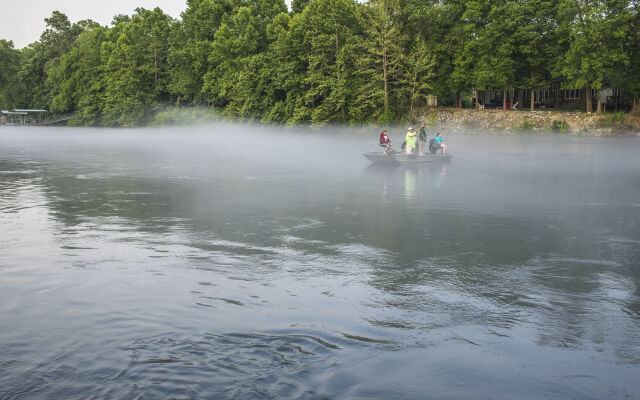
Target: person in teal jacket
[(411, 141), (439, 143)]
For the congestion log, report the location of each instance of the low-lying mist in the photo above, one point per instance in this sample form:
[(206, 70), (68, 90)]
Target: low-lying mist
[(493, 171)]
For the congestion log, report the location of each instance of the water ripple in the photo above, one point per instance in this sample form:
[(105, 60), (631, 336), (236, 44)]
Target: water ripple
[(234, 365)]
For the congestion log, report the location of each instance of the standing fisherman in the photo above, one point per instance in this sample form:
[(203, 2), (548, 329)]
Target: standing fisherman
[(422, 138), (411, 141)]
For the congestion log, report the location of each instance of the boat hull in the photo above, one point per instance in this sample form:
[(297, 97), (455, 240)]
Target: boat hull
[(400, 158)]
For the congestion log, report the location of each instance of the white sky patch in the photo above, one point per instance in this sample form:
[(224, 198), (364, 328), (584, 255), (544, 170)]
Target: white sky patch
[(23, 21)]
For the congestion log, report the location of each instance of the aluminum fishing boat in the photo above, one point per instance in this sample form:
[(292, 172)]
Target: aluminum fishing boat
[(379, 157)]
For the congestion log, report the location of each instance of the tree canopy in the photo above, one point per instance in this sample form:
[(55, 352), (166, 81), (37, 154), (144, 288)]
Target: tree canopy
[(322, 61)]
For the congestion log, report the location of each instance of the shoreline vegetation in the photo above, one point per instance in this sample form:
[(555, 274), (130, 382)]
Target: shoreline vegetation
[(446, 119), (340, 62), (463, 120)]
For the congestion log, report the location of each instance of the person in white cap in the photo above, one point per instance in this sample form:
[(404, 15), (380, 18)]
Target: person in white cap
[(411, 141)]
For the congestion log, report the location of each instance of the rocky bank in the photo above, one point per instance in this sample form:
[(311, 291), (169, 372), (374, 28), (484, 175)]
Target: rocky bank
[(591, 124)]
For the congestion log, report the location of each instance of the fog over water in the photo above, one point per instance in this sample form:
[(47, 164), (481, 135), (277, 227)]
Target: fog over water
[(234, 261)]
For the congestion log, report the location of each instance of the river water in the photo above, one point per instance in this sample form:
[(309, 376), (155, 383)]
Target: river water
[(241, 262)]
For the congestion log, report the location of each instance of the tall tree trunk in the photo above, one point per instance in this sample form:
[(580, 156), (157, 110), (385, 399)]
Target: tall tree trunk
[(599, 102), (338, 74), (155, 66), (413, 87), (337, 45), (504, 99), (533, 97), (587, 97), (458, 99), (533, 93), (386, 83)]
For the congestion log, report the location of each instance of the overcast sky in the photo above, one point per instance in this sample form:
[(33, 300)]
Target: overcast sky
[(23, 20)]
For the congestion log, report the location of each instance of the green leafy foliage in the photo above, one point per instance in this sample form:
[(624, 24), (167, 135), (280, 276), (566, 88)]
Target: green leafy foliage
[(324, 61), (324, 35), (560, 126), (77, 81), (613, 119), (431, 120), (378, 62), (594, 33), (137, 70), (11, 89), (525, 126), (41, 56)]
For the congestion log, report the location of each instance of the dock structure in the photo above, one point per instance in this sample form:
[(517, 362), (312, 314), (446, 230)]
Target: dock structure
[(23, 116), (8, 117)]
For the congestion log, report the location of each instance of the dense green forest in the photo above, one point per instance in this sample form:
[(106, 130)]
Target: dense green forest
[(322, 61)]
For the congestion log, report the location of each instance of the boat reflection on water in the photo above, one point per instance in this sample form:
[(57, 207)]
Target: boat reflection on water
[(412, 181), (439, 176), (409, 182)]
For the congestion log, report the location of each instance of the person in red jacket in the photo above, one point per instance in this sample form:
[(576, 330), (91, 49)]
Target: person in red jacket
[(385, 141)]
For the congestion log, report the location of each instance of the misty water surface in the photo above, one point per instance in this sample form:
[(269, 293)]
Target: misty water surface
[(240, 262)]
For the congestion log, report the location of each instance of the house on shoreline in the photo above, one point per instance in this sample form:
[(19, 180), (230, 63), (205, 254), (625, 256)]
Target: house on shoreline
[(553, 97)]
